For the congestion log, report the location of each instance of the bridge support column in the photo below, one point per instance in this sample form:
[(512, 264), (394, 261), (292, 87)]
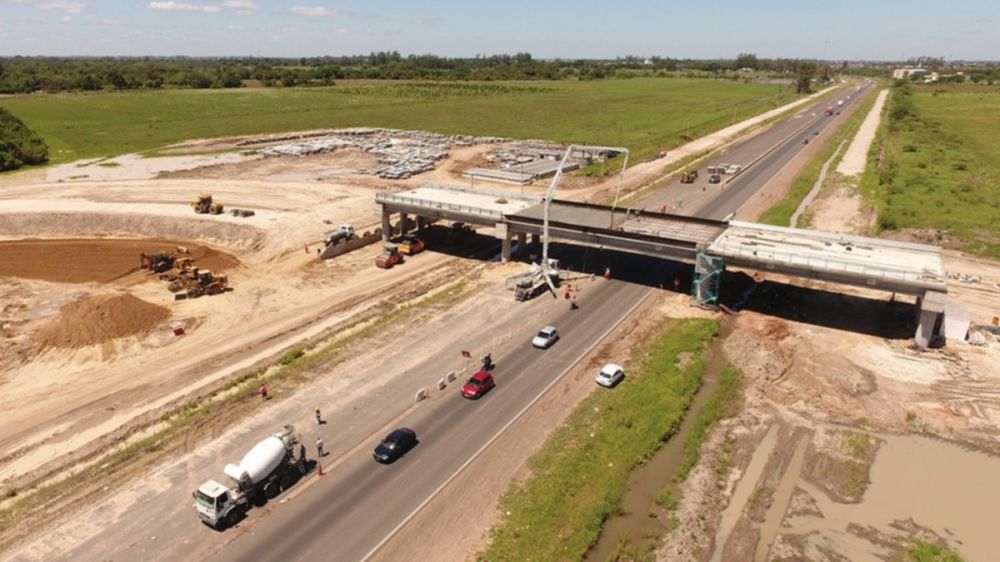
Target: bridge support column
[(505, 249), (535, 238), (930, 322), (386, 224), (421, 223), (404, 223), (522, 240)]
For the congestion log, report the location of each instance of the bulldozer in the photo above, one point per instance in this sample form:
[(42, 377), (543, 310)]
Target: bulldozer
[(194, 284), (159, 262), (204, 205)]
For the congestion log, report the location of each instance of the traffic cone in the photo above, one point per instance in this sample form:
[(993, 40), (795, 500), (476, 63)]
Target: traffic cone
[(319, 468)]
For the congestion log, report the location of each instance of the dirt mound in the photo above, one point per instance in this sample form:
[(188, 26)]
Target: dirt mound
[(103, 261), (100, 319)]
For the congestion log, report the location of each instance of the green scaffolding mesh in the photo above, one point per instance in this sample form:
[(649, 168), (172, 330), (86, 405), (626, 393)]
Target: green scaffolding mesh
[(707, 278)]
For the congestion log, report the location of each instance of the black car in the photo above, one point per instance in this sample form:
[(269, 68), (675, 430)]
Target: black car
[(714, 178), (395, 445)]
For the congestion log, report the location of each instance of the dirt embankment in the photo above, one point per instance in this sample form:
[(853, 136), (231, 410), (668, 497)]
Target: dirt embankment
[(99, 319), (94, 260)]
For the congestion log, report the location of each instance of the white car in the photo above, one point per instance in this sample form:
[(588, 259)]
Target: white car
[(546, 337), (610, 375)]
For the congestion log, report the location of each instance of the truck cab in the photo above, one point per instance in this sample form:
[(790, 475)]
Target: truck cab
[(214, 504)]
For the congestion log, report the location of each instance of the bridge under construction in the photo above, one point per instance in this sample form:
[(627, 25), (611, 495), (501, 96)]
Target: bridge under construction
[(711, 245)]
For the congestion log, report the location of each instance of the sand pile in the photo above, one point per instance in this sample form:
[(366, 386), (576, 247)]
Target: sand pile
[(100, 319)]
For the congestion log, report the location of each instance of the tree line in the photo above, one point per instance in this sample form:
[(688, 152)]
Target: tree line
[(58, 74), (18, 144)]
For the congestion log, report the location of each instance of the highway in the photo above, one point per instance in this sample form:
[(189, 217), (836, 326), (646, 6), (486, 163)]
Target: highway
[(348, 512), (783, 139), (358, 504)]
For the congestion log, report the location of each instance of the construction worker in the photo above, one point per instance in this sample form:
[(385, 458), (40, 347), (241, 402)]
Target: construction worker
[(572, 303), (319, 447), (302, 452), (677, 284), (263, 391), (607, 273), (319, 417), (488, 362)]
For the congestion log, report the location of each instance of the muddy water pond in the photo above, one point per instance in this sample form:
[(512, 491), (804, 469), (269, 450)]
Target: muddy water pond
[(940, 486), (634, 524)]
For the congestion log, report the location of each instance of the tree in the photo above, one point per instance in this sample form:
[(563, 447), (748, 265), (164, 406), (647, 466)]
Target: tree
[(805, 73), (747, 60), (18, 144)]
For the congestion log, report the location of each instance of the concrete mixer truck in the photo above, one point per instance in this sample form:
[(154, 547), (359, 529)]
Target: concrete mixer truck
[(271, 466)]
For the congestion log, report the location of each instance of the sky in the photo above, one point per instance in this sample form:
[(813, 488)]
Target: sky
[(834, 30)]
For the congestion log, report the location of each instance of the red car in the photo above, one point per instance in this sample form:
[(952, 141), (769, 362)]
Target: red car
[(478, 385)]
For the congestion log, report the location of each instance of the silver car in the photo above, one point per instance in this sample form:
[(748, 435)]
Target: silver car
[(546, 337), (610, 375)]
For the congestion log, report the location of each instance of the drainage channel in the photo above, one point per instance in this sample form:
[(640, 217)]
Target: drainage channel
[(635, 523)]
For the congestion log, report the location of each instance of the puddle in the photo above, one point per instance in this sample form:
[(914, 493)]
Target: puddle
[(782, 495), (744, 489), (635, 524), (941, 486)]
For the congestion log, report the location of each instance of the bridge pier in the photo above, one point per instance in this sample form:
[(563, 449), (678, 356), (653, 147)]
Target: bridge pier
[(386, 224), (421, 223), (522, 240), (404, 223), (930, 319)]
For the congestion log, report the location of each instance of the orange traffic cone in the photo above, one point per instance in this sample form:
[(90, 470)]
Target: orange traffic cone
[(319, 468)]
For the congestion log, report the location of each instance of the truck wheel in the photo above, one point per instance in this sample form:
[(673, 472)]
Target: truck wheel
[(271, 489), (287, 480)]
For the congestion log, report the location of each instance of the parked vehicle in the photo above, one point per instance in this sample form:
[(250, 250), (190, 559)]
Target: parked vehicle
[(410, 245), (546, 337), (610, 375), (389, 257), (734, 169), (689, 177), (344, 231), (478, 385), (395, 445), (269, 467), (714, 178), (460, 232), (721, 168)]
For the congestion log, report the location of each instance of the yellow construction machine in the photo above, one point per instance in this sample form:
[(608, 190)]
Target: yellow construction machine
[(204, 205)]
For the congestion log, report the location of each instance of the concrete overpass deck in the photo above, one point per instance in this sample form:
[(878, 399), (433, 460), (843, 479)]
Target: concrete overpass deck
[(457, 203), (855, 260), (866, 262)]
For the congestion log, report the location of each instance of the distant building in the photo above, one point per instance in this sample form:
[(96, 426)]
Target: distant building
[(906, 72)]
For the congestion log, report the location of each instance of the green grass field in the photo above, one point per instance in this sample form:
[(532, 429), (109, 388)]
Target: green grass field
[(580, 473), (942, 165), (644, 114)]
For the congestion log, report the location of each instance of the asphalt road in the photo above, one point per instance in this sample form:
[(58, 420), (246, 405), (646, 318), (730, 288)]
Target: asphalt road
[(715, 201), (352, 509)]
